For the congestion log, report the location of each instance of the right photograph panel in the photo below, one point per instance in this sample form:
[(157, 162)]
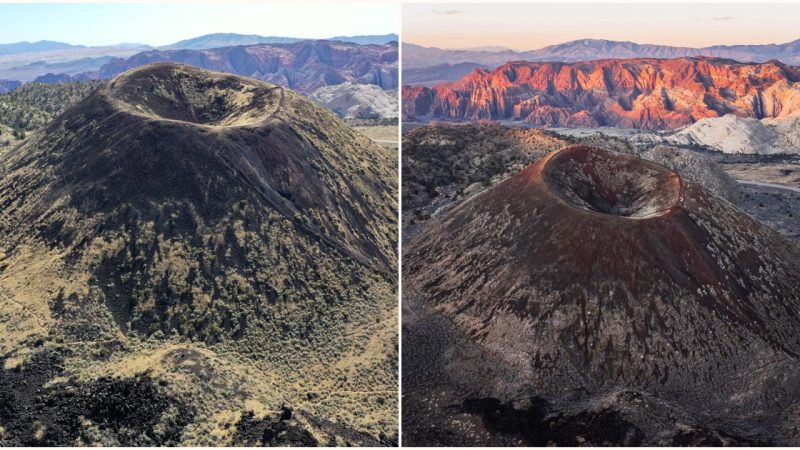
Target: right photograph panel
[(600, 224)]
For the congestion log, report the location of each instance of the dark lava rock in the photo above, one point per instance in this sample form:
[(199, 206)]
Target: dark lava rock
[(270, 432), (133, 411), (286, 430), (538, 425)]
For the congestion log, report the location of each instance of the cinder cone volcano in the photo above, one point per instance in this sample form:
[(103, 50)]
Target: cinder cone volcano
[(234, 181), (591, 269), (224, 240)]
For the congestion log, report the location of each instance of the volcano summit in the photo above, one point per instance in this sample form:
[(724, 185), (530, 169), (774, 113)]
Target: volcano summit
[(626, 304), (222, 241)]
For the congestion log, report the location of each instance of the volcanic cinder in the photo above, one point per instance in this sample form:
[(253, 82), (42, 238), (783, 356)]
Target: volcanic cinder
[(604, 282)]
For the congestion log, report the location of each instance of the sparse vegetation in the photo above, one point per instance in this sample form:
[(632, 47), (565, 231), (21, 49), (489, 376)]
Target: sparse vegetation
[(33, 105), (446, 164)]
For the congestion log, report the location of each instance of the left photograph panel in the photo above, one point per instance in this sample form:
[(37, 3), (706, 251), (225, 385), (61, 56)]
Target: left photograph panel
[(198, 224)]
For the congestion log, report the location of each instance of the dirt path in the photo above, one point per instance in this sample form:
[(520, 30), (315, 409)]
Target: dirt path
[(770, 185), (4, 295)]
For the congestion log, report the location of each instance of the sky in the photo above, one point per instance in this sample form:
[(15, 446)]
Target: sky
[(165, 23), (532, 26)]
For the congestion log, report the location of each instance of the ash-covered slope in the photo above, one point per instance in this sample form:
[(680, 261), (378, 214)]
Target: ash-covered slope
[(591, 274), (175, 133), (201, 210), (628, 93)]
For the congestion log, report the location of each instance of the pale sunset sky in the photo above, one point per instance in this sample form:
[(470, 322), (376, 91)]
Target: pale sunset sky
[(532, 26)]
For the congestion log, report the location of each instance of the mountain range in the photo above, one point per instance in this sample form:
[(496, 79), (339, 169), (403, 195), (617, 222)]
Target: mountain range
[(211, 40), (24, 61), (303, 66), (33, 47), (216, 40), (440, 73), (25, 67), (8, 86), (418, 57), (641, 93)]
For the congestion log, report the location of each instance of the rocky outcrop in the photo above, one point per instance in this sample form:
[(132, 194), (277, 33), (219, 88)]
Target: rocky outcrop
[(633, 93), (732, 134), (357, 101)]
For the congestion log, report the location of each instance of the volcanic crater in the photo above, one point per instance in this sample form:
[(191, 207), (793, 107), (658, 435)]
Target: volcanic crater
[(186, 94), (613, 184)]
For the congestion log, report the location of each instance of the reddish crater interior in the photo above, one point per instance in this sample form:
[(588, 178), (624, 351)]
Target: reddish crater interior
[(612, 183)]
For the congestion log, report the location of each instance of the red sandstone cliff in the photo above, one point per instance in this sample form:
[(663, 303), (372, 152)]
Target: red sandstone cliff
[(631, 93)]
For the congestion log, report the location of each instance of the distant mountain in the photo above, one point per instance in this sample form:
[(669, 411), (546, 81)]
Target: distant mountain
[(428, 76), (25, 61), (74, 60), (368, 39), (630, 93), (589, 49), (303, 66), (30, 47), (53, 78), (217, 40), (8, 86), (486, 48), (415, 56)]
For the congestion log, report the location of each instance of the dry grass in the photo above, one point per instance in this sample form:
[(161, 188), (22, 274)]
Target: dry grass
[(379, 132)]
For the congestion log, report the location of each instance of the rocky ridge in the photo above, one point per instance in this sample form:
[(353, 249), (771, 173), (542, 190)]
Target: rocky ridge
[(640, 93)]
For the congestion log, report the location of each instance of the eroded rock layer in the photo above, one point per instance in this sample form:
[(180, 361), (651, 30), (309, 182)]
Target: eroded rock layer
[(628, 93)]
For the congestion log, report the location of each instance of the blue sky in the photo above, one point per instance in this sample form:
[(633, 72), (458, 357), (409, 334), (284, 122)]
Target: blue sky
[(531, 26), (161, 24)]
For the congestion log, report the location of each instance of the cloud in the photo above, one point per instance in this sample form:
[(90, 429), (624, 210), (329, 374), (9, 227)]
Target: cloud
[(448, 12), (723, 18)]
